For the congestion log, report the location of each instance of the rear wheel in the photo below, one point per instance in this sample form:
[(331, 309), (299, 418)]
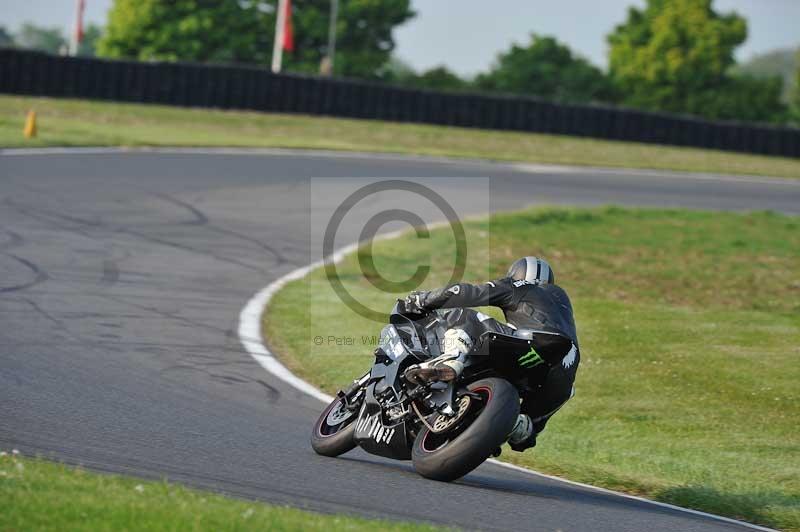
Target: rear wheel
[(334, 430), (456, 448)]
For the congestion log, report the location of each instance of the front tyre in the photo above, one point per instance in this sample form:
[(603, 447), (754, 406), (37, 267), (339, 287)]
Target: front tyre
[(334, 430), (451, 455)]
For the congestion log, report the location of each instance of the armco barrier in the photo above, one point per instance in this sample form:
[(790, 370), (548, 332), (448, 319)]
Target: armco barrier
[(245, 87)]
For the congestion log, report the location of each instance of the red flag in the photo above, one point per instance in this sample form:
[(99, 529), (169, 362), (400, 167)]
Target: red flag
[(79, 22), (288, 29)]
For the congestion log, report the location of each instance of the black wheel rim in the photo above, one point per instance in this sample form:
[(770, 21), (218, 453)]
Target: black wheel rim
[(432, 442), (334, 419)]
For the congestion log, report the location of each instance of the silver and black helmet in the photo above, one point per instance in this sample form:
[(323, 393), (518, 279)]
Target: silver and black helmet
[(533, 270)]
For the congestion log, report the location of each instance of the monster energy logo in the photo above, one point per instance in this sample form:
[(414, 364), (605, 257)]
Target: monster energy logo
[(531, 359)]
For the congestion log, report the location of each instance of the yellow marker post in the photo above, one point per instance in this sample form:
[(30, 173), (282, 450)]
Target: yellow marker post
[(30, 125)]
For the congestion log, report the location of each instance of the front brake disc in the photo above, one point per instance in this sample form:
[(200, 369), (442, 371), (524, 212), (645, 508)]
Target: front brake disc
[(444, 423), (338, 415)]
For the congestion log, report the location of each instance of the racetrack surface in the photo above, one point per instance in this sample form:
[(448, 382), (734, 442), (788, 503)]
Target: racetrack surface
[(122, 276)]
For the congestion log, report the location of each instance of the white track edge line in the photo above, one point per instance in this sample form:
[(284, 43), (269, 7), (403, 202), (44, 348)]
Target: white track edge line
[(250, 320), (253, 342), (631, 497)]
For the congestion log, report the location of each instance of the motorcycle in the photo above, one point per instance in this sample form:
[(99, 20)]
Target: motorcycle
[(446, 429)]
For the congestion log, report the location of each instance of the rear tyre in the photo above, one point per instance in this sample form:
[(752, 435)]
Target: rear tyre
[(334, 430), (455, 453)]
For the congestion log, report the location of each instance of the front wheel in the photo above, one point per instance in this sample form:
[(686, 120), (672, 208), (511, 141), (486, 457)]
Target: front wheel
[(452, 453), (334, 430)]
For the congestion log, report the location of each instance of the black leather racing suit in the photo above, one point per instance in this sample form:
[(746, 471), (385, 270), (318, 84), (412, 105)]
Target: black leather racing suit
[(526, 306)]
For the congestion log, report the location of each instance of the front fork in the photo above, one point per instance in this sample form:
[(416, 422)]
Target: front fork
[(348, 394)]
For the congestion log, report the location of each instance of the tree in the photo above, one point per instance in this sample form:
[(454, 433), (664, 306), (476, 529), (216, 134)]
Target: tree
[(190, 30), (439, 78), (88, 46), (548, 69), (782, 62), (243, 30), (675, 55), (364, 41), (746, 98), (50, 40), (5, 38), (396, 70), (796, 94)]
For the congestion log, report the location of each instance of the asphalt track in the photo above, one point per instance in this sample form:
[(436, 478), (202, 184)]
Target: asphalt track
[(122, 276)]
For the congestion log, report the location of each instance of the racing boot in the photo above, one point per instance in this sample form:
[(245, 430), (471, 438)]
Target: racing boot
[(446, 367), (523, 435)]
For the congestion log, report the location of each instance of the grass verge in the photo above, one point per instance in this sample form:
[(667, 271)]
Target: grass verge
[(689, 325), (87, 123), (41, 495)]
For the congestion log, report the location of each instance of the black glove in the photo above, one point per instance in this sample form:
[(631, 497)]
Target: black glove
[(414, 302)]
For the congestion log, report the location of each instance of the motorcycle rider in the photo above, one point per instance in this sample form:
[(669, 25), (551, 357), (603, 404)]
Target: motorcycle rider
[(530, 301)]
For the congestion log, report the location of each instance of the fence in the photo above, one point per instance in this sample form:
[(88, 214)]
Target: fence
[(242, 87)]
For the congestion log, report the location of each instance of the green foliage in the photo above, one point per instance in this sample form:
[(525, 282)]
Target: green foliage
[(189, 30), (439, 78), (782, 63), (661, 55), (547, 68), (6, 39), (795, 98), (675, 55), (364, 34), (50, 40), (243, 30), (91, 35), (743, 98)]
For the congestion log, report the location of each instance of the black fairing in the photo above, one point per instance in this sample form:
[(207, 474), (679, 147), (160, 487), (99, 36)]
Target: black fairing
[(375, 435), (374, 432)]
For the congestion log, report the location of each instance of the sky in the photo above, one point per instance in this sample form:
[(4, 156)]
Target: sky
[(466, 35)]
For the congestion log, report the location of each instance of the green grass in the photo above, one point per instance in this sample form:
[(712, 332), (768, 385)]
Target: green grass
[(40, 495), (85, 123), (689, 325)]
